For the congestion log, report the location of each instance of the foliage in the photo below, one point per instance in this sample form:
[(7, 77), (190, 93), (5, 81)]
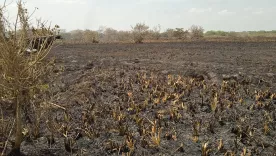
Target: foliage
[(216, 33), (179, 33), (169, 33), (109, 35), (243, 34)]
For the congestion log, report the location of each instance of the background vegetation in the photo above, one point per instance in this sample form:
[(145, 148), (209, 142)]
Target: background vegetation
[(142, 32)]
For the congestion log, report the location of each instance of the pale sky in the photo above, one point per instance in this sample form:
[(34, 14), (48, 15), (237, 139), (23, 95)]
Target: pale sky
[(227, 15)]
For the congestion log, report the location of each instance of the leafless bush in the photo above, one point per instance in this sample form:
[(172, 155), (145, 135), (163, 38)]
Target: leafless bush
[(110, 35), (124, 36), (196, 32), (139, 32), (76, 35), (81, 36), (155, 32), (22, 76), (103, 35)]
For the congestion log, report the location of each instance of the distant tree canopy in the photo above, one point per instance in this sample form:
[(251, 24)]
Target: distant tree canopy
[(81, 36), (261, 33), (140, 32)]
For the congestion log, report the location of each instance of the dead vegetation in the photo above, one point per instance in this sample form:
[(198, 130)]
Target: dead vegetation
[(139, 31), (23, 79), (147, 113), (117, 109), (155, 34)]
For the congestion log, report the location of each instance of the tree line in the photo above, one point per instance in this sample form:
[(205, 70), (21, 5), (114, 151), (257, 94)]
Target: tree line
[(141, 32), (138, 33)]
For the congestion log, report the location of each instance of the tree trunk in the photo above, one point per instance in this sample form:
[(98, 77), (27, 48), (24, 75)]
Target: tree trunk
[(18, 135), (18, 138)]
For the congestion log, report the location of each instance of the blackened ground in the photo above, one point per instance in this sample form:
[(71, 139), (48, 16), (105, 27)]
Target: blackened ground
[(256, 61), (94, 79)]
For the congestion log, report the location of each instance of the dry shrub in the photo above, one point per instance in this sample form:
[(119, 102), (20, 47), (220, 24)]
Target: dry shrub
[(139, 31), (179, 33), (155, 32), (197, 32), (169, 34), (81, 36), (22, 74)]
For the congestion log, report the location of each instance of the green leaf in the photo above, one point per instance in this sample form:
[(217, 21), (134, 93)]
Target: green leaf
[(44, 87)]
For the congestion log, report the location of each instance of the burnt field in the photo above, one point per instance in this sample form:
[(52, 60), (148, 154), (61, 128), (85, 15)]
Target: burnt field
[(255, 61), (198, 98)]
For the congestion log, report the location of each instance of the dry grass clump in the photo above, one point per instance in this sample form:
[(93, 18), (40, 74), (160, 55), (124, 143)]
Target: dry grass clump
[(153, 113)]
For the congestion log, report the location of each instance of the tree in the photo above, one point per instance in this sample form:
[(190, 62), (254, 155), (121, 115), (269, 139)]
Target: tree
[(139, 32), (110, 35), (2, 28), (124, 36), (169, 33), (178, 33), (196, 32), (77, 35), (66, 35), (90, 36)]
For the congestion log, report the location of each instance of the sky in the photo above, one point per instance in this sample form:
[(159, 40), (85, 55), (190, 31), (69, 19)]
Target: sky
[(226, 15)]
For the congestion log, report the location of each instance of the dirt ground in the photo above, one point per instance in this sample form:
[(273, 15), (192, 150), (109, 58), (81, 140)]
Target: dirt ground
[(198, 98)]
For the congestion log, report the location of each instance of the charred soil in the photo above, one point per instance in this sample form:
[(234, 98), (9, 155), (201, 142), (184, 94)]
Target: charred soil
[(197, 98)]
